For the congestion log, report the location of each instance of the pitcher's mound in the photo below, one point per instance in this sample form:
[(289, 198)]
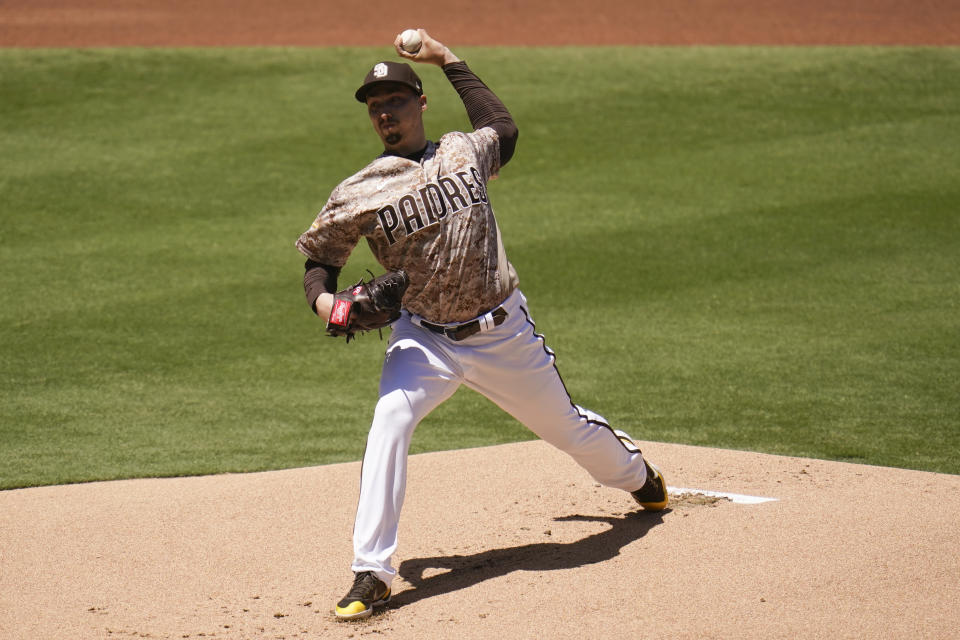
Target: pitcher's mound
[(512, 541)]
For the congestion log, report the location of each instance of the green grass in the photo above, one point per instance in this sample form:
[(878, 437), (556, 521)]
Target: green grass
[(752, 248)]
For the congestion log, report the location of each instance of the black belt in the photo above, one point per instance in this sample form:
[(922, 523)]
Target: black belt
[(462, 331)]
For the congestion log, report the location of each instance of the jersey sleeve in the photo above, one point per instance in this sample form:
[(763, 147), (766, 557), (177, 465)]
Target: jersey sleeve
[(483, 106), (334, 233), (486, 145)]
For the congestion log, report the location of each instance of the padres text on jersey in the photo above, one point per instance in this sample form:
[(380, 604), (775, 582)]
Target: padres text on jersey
[(431, 203)]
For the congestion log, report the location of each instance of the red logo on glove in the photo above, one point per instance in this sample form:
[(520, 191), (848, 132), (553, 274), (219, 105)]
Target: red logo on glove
[(340, 312)]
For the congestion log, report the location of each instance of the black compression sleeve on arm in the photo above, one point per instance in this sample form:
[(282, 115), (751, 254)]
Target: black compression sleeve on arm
[(484, 108), (318, 278)]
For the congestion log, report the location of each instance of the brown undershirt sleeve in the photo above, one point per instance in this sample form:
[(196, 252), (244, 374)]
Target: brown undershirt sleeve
[(484, 108), (318, 278)]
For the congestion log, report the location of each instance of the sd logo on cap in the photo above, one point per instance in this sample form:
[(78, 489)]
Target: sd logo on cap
[(388, 71)]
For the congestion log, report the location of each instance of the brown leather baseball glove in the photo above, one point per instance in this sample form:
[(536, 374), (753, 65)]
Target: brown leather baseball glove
[(367, 305)]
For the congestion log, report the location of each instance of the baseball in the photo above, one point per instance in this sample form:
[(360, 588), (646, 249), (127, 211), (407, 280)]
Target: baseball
[(410, 41)]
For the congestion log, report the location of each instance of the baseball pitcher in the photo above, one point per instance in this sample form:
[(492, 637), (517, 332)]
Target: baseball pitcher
[(451, 298)]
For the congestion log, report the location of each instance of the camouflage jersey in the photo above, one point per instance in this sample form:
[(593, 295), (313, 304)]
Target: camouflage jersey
[(432, 219)]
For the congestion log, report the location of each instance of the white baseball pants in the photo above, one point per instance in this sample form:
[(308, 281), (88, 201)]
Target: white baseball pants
[(512, 366)]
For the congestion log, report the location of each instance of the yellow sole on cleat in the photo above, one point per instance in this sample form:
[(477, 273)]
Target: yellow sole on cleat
[(356, 610), (657, 506), (360, 615), (353, 611)]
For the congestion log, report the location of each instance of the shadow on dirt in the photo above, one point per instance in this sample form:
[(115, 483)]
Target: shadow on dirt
[(466, 571)]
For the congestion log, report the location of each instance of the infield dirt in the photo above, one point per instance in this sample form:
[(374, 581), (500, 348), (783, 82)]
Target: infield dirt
[(525, 545)]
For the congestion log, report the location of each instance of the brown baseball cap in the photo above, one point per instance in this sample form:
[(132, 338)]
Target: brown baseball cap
[(388, 71)]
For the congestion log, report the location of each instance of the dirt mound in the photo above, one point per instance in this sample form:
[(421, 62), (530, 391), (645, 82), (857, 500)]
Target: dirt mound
[(524, 545)]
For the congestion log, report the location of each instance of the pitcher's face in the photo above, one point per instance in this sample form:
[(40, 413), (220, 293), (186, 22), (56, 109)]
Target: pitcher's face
[(396, 112)]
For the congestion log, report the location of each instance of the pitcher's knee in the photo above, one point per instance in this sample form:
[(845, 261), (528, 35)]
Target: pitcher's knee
[(394, 416)]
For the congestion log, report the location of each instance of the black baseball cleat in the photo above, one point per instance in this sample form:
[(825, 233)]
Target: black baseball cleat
[(652, 496), (367, 592)]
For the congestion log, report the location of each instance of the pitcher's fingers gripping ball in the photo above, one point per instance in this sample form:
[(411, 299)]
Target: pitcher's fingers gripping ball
[(416, 44), (367, 305), (410, 41)]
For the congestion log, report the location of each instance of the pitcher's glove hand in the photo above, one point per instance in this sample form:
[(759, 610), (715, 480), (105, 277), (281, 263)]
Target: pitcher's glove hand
[(367, 305)]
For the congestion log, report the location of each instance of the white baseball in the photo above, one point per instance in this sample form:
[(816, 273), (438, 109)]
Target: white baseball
[(410, 41)]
